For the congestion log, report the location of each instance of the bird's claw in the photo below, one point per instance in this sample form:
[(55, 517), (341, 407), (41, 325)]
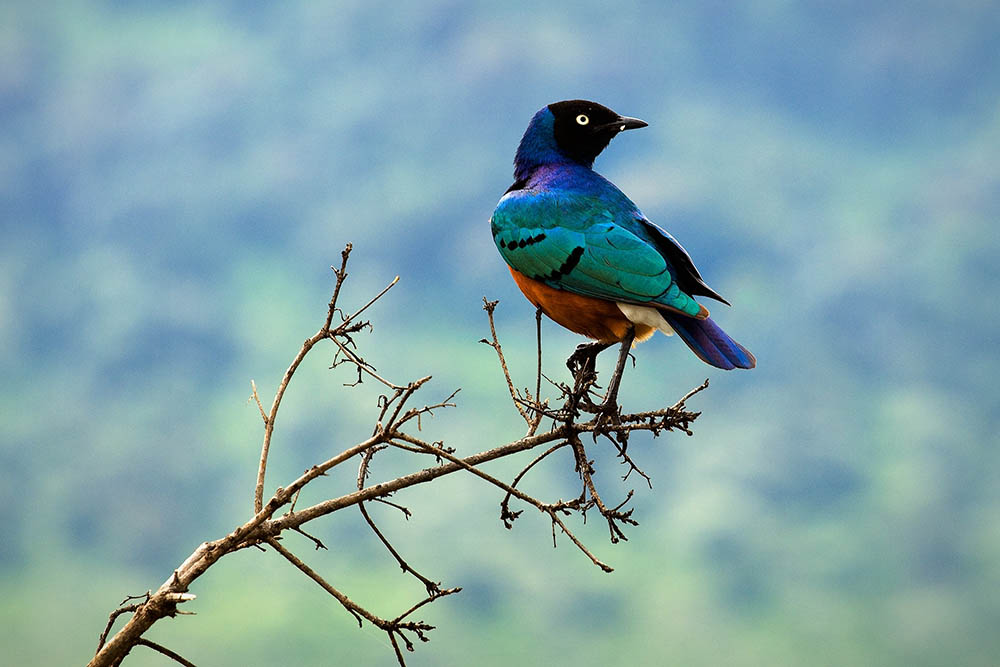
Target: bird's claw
[(607, 413), (584, 358)]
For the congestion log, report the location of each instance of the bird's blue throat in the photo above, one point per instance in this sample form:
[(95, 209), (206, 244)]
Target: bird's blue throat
[(538, 147)]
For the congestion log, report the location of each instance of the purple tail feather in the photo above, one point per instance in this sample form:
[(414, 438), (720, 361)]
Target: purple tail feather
[(710, 343)]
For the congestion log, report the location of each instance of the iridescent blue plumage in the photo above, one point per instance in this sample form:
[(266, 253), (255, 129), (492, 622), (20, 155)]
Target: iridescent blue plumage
[(563, 225)]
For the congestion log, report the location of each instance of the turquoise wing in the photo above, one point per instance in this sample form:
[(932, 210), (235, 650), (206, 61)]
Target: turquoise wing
[(577, 243)]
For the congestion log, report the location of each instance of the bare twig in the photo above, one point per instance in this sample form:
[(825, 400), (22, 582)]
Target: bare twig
[(306, 346), (256, 397), (433, 588), (538, 406), (341, 275), (355, 610), (494, 342), (315, 540), (549, 509), (112, 617), (362, 365), (506, 515), (165, 651), (393, 627), (347, 320)]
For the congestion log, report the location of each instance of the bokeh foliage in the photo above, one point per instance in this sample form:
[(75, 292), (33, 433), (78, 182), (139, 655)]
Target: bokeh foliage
[(176, 177)]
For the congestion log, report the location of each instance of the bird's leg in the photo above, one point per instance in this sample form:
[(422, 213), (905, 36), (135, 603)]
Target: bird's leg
[(582, 366), (538, 377), (610, 405)]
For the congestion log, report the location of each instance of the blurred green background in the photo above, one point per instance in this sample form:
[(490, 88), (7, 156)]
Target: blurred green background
[(176, 178)]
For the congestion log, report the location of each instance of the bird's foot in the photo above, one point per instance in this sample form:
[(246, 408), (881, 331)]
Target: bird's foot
[(609, 411), (582, 365), (584, 358), (606, 414)]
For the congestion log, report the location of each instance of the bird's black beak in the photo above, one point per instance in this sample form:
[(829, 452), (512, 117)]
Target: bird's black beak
[(623, 123), (626, 123)]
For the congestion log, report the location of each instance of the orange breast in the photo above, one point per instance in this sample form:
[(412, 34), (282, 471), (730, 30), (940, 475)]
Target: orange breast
[(585, 315)]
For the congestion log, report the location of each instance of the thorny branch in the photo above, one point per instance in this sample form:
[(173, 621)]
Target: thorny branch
[(577, 415)]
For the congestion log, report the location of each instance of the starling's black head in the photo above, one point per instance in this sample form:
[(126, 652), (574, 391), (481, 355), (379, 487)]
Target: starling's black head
[(583, 129), (577, 130)]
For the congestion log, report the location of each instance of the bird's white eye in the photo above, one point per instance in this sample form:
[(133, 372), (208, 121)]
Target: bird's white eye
[(582, 119)]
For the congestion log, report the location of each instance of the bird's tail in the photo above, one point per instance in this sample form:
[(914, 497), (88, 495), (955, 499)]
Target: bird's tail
[(710, 343)]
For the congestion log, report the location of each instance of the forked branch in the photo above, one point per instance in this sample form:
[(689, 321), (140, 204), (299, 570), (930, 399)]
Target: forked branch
[(397, 413)]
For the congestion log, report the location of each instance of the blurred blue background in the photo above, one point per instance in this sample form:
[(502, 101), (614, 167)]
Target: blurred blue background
[(176, 178)]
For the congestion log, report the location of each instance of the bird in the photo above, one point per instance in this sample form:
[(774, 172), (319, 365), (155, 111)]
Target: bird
[(584, 254)]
